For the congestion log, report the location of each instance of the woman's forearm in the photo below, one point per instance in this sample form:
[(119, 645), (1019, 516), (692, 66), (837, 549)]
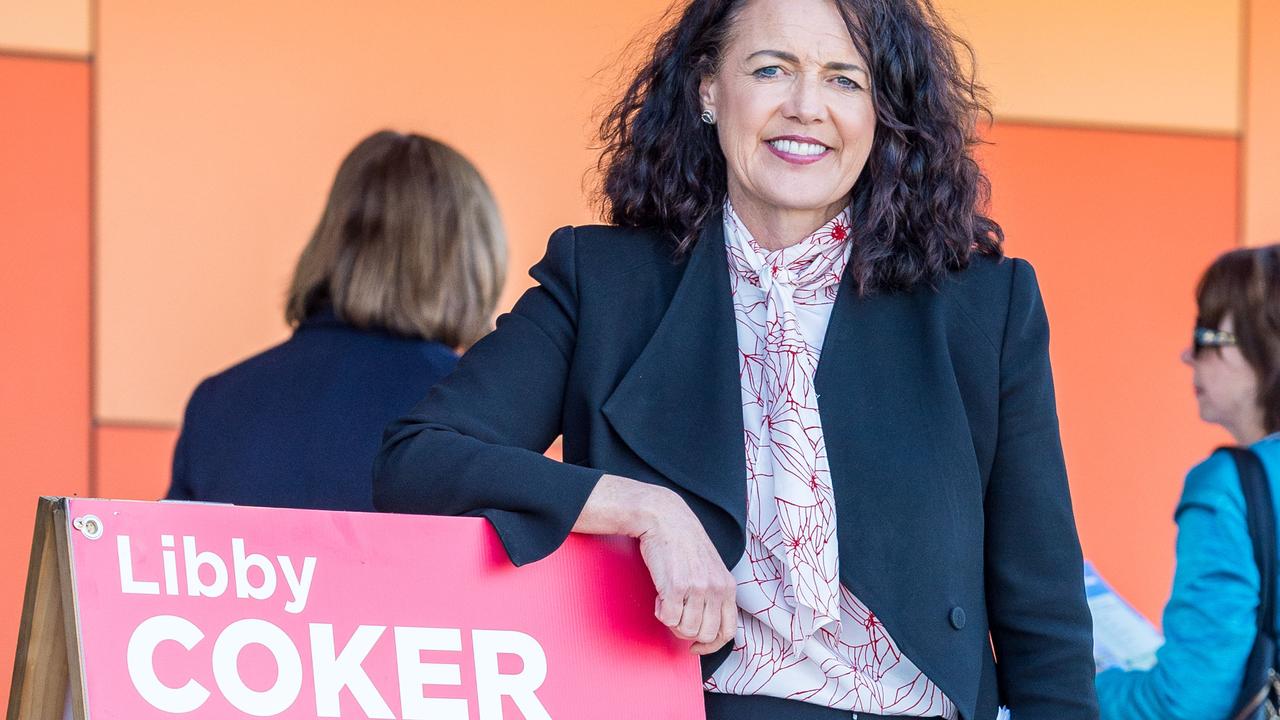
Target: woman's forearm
[(621, 506)]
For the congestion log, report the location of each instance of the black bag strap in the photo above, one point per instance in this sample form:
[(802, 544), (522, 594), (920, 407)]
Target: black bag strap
[(1261, 515)]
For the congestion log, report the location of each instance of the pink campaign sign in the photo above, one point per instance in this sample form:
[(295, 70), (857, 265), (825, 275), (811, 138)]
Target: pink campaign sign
[(205, 611)]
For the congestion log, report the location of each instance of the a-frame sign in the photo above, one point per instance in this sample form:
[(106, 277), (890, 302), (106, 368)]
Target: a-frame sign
[(47, 660), (153, 610)]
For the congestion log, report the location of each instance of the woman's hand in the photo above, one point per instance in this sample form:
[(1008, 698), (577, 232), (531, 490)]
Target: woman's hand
[(696, 593)]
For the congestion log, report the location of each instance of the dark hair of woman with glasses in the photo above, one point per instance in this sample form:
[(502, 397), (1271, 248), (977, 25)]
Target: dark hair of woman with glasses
[(1210, 619)]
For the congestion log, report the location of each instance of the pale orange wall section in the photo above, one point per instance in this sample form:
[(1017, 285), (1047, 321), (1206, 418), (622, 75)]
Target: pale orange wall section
[(1119, 227), (58, 27), (1262, 125), (44, 297), (219, 132), (1168, 64)]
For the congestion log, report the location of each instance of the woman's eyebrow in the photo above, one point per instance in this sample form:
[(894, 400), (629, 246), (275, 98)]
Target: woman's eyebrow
[(844, 67), (780, 54), (792, 58)]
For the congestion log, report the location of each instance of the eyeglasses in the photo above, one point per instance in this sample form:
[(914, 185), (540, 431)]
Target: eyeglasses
[(1206, 338)]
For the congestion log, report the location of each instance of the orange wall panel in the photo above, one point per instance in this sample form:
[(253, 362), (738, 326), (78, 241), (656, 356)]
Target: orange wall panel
[(1171, 64), (1119, 226), (1262, 125), (220, 131), (45, 26), (44, 294), (132, 463)]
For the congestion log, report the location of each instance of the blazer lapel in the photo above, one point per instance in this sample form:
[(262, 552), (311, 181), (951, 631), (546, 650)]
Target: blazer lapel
[(894, 425), (679, 407), (901, 452), (864, 386)]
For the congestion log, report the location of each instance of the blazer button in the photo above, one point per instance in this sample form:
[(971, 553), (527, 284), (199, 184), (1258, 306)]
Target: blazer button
[(957, 618)]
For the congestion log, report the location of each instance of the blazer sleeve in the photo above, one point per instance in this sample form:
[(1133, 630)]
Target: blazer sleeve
[(475, 444), (1210, 620), (1041, 629)]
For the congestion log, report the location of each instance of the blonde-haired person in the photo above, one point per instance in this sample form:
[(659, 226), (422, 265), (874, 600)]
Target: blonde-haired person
[(404, 269), (1210, 619)]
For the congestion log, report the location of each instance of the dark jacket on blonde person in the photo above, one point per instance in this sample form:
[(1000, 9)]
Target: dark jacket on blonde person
[(299, 424), (954, 519)]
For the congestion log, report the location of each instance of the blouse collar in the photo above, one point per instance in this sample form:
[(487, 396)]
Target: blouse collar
[(819, 259)]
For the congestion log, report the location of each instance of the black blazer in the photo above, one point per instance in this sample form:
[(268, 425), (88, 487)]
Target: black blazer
[(954, 518), (298, 425)]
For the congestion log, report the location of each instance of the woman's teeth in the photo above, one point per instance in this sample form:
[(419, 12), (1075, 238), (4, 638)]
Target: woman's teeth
[(791, 147)]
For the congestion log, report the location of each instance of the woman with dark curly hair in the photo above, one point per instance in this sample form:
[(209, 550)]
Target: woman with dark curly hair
[(797, 368)]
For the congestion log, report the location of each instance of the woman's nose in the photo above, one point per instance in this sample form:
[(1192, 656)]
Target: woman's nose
[(804, 104), (1187, 356)]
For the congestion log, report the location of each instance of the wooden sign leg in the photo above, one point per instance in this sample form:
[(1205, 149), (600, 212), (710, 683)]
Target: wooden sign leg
[(70, 615), (41, 670)]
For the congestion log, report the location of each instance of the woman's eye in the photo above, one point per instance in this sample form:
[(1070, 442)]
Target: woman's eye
[(848, 83), (768, 72)]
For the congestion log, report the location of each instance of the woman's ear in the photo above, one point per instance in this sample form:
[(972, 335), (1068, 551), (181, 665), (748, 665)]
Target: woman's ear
[(707, 94)]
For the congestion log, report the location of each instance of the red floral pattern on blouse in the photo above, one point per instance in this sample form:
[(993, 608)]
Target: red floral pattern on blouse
[(801, 634)]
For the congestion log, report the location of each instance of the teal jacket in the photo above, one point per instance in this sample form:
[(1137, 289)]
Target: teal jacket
[(1209, 622)]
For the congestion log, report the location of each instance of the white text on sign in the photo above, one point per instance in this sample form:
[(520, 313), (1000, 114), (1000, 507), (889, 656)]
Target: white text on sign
[(333, 671), (192, 571)]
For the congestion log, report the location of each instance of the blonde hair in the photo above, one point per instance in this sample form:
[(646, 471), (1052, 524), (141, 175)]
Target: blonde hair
[(410, 240)]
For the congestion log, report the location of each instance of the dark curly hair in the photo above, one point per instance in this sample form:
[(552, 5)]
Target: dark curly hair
[(918, 204)]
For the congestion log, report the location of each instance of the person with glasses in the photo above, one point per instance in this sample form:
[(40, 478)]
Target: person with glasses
[(1210, 619)]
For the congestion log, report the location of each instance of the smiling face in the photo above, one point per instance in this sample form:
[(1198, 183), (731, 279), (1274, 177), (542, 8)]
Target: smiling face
[(792, 103)]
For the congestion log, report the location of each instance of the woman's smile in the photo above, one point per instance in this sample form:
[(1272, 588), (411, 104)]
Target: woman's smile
[(798, 149)]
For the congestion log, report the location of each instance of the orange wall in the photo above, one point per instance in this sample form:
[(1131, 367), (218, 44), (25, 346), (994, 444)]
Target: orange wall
[(1262, 143), (201, 212), (275, 93), (132, 462), (1169, 64), (44, 294), (53, 27), (1119, 226)]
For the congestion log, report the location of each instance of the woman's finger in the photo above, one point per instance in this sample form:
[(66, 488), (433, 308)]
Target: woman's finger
[(670, 609), (710, 626), (726, 626), (691, 618), (728, 621)]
